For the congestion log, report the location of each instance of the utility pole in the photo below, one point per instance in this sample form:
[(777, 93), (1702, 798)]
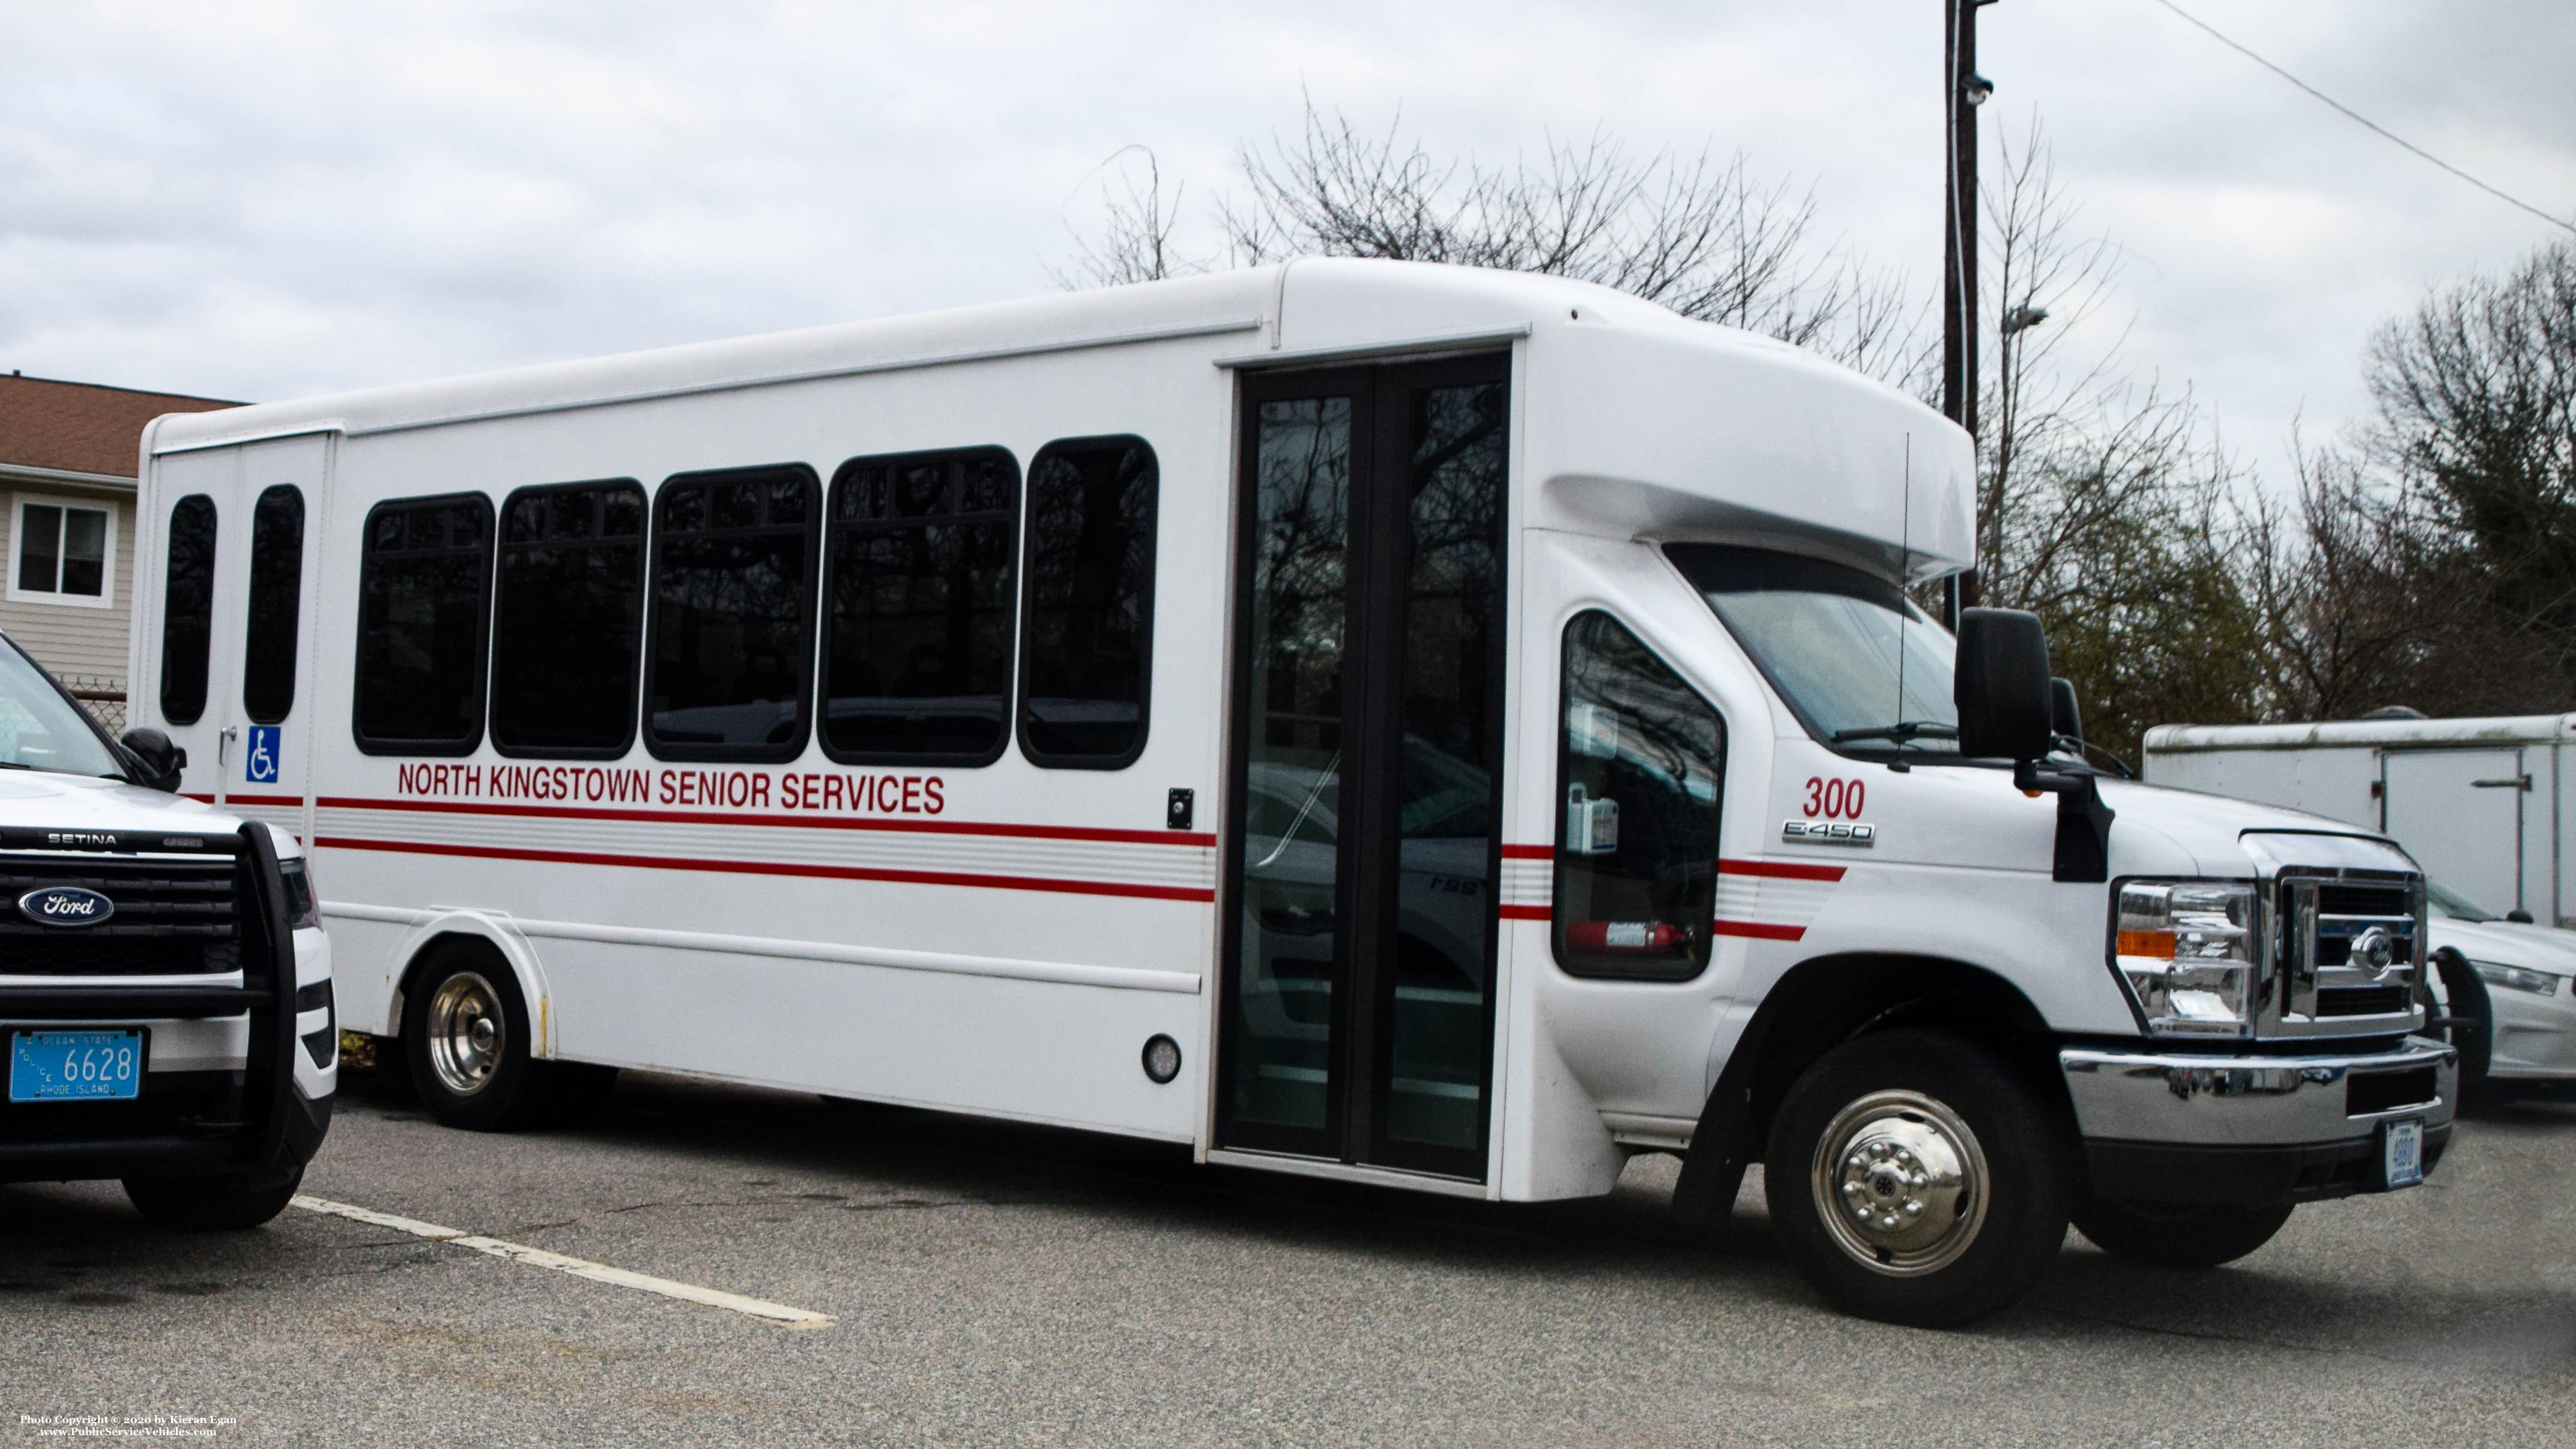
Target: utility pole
[(1964, 90)]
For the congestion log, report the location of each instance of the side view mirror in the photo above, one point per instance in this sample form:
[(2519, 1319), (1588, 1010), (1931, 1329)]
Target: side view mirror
[(2065, 719), (162, 761), (2518, 916), (2002, 686)]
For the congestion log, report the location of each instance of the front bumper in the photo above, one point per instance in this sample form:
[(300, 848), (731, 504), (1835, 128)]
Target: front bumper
[(2172, 1126)]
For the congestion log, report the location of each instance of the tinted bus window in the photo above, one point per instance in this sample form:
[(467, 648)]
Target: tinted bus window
[(188, 609), (276, 603), (424, 595), (917, 643), (568, 624), (1089, 601), (733, 634), (1638, 779)]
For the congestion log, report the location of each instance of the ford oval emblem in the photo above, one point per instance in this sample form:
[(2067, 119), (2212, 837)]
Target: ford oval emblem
[(2374, 948), (65, 906)]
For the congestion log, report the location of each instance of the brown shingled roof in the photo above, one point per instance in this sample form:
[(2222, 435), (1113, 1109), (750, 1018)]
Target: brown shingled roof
[(82, 426)]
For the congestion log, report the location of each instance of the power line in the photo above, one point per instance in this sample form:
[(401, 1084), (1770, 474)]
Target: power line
[(2383, 131)]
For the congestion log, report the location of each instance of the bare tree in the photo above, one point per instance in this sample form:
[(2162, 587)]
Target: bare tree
[(1704, 237), (2476, 395), (2103, 502), (1135, 241)]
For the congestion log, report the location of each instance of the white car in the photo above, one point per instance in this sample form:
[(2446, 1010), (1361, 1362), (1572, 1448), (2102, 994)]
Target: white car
[(2513, 983)]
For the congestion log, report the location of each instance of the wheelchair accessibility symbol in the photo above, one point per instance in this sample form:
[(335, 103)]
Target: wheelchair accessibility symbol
[(260, 764)]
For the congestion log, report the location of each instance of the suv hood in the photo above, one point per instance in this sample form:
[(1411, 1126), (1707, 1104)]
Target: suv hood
[(2508, 943), (40, 800), (2213, 831)]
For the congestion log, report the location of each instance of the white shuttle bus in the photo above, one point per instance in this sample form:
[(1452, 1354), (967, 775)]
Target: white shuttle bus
[(1427, 727)]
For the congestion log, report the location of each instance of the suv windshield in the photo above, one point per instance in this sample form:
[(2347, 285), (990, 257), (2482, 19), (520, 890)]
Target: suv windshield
[(1862, 667), (2455, 905), (41, 730)]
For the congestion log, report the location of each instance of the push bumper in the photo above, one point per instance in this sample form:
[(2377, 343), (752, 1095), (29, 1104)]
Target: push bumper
[(253, 1116), (2254, 1130)]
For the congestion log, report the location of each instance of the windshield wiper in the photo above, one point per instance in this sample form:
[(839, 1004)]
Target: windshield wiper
[(1900, 732)]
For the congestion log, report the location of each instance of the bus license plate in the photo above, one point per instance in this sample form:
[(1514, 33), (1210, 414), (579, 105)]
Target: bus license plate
[(75, 1066), (2402, 1153)]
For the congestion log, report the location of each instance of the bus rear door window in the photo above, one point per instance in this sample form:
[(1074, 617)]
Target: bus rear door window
[(917, 631), (424, 595), (188, 609), (276, 604), (1089, 593), (568, 620), (732, 630)]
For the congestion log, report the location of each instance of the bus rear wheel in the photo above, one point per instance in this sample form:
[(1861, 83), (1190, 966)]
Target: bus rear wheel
[(1914, 1178), (466, 1039)]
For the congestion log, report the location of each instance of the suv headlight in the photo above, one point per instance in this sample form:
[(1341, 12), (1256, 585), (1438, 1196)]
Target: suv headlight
[(2189, 952), (2514, 978)]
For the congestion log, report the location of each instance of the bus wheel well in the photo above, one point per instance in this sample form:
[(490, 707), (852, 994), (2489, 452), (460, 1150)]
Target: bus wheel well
[(441, 947), (1816, 1007)]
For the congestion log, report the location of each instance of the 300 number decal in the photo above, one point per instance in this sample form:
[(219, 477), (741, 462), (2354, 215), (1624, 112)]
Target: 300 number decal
[(1834, 799)]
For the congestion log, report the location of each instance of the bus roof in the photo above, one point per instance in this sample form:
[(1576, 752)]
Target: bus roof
[(1642, 422)]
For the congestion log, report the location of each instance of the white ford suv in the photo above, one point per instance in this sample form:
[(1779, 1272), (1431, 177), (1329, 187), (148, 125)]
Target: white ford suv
[(165, 987)]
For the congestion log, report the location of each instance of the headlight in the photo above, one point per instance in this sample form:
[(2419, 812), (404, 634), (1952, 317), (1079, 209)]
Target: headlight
[(2189, 953), (303, 905), (2514, 978)]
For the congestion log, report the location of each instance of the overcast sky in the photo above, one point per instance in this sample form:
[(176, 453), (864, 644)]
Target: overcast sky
[(264, 200)]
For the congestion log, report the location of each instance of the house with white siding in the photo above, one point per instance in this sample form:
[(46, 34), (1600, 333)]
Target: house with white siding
[(67, 467)]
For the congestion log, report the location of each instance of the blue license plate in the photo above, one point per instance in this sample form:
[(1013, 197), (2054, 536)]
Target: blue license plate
[(2404, 1153), (75, 1066)]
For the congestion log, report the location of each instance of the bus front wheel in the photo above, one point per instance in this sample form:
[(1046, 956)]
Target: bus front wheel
[(1915, 1178), (466, 1040)]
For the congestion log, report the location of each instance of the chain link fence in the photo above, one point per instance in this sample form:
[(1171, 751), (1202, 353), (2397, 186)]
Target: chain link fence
[(103, 695)]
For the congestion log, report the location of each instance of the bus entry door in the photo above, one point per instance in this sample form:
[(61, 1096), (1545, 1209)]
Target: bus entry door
[(1358, 1016)]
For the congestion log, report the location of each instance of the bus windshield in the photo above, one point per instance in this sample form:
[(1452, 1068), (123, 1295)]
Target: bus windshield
[(1860, 665), (41, 730)]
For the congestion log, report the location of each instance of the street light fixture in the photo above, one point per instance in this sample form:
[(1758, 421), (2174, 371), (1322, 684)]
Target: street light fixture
[(2023, 318)]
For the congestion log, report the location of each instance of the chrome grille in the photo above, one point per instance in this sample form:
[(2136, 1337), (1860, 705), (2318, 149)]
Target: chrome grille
[(2348, 955)]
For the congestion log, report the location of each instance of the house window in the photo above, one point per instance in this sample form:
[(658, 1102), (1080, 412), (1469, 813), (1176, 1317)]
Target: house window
[(61, 552)]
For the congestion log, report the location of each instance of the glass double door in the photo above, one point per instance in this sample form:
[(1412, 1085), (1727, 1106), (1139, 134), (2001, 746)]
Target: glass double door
[(1367, 751)]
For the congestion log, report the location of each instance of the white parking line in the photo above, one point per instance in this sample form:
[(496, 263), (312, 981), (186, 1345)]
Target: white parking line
[(578, 1267)]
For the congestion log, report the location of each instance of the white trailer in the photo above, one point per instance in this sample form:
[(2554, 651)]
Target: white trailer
[(1425, 727), (2480, 803)]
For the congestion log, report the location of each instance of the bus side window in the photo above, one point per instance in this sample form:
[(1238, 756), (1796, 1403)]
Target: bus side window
[(276, 604), (424, 595), (568, 620), (188, 609), (731, 664), (1089, 595), (919, 611), (1639, 770)]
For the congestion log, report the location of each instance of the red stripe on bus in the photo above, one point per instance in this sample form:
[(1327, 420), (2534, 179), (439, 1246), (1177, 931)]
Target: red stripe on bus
[(752, 867), (206, 799), (1758, 930), (295, 800), (1529, 852), (1780, 870), (1525, 913), (700, 817)]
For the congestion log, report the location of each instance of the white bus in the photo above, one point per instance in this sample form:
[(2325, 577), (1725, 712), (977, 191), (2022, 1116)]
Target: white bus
[(1428, 727)]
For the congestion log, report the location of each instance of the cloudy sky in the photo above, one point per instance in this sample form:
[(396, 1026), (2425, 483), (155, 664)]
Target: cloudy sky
[(262, 200)]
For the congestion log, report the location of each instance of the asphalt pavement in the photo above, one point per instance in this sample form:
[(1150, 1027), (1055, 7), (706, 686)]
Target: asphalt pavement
[(996, 1284)]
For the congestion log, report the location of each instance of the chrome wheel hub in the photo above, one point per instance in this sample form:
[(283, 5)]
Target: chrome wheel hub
[(1900, 1183), (466, 1033)]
